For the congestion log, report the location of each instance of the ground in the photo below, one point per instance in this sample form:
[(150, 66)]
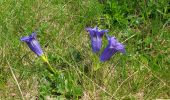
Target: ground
[(142, 26)]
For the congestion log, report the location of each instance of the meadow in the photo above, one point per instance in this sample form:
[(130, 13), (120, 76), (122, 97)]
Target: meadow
[(143, 73)]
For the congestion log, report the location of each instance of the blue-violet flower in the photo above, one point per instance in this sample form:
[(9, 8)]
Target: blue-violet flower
[(112, 47), (33, 43), (96, 38)]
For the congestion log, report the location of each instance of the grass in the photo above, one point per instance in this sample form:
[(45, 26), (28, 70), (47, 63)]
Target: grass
[(142, 26)]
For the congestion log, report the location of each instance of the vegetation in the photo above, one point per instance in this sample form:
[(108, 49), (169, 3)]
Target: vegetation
[(142, 26)]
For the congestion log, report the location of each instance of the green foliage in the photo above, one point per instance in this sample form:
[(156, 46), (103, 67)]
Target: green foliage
[(127, 13), (142, 26), (61, 86)]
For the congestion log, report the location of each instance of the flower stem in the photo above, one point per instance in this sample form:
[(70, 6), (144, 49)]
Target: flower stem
[(50, 68)]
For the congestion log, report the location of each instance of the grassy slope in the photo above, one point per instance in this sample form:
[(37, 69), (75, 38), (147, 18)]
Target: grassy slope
[(141, 74)]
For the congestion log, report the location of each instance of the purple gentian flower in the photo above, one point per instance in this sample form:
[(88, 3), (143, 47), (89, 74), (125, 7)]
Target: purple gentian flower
[(112, 47), (96, 38), (33, 43)]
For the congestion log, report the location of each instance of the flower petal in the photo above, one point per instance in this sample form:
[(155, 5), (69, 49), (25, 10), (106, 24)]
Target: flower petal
[(107, 53), (115, 44), (25, 38), (96, 38), (33, 35), (112, 47), (101, 32), (112, 42), (33, 43), (96, 29), (91, 31), (96, 43), (35, 47), (120, 47)]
